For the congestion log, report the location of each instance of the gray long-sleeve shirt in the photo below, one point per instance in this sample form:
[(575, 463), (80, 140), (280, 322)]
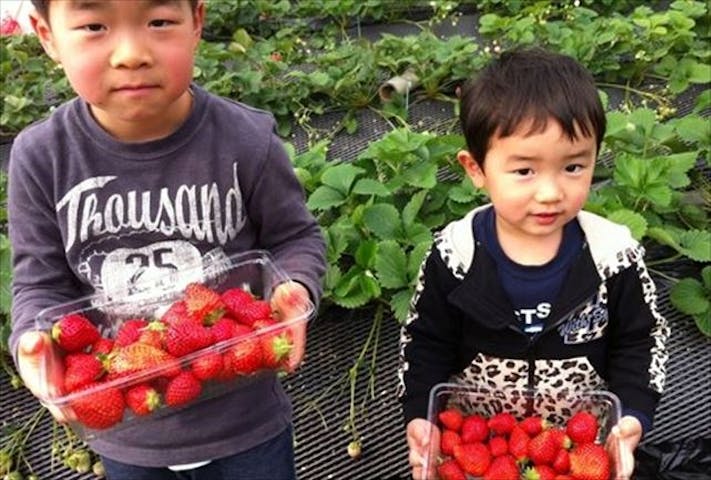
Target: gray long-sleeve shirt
[(87, 212)]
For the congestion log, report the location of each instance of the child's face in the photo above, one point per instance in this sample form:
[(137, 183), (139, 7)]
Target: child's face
[(131, 60), (537, 182)]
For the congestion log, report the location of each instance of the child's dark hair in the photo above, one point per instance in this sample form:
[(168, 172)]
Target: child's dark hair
[(42, 7), (529, 84)]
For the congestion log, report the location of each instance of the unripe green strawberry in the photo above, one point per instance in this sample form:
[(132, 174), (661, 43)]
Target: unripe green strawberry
[(74, 332), (181, 389)]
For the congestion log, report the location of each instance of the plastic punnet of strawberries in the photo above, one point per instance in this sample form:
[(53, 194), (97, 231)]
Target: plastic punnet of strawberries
[(204, 337), (502, 447)]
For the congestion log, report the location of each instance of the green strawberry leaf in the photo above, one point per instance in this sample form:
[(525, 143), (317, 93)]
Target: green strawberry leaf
[(703, 322), (325, 197), (400, 304), (694, 129), (366, 254), (696, 244), (409, 213), (391, 265), (690, 297), (382, 219), (368, 186), (633, 220), (706, 277), (417, 256), (341, 177)]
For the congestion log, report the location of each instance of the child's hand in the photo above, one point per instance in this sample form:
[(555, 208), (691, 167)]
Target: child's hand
[(291, 300), (32, 353), (622, 442), (422, 438)]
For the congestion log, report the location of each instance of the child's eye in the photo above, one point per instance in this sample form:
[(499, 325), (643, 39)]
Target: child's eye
[(160, 23), (574, 168), (92, 27), (523, 171)]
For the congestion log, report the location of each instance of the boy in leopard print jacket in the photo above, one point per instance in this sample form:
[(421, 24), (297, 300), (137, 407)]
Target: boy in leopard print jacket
[(529, 290)]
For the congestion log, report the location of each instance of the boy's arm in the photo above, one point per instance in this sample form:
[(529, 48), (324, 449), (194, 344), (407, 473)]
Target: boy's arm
[(429, 339), (637, 343), (276, 203), (41, 276)]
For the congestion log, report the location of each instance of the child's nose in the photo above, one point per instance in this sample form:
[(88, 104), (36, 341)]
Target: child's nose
[(130, 52), (548, 191)]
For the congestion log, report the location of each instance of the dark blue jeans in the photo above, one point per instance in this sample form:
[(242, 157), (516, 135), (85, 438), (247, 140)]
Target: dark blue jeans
[(272, 460)]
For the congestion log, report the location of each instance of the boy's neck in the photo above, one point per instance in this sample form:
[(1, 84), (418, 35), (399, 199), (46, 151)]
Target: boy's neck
[(527, 250)]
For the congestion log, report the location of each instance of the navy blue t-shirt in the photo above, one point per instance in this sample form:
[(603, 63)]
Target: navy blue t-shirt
[(532, 289)]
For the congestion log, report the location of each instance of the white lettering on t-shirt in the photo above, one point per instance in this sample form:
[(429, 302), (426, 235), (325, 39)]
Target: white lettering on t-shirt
[(194, 211)]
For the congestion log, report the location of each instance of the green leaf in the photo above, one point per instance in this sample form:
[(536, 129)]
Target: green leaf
[(366, 254), (696, 244), (368, 186), (325, 197), (703, 323), (400, 304), (664, 236), (644, 119), (417, 233), (690, 297), (421, 175), (391, 265), (383, 220), (633, 220), (706, 277), (409, 213), (341, 177), (693, 128)]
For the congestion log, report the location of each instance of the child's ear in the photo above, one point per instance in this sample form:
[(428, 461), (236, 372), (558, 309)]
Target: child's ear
[(473, 170), (44, 34), (199, 20)]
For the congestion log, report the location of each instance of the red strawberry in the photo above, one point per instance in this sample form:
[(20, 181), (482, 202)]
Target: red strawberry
[(129, 332), (498, 446), (102, 346), (448, 440), (563, 477), (502, 468), (474, 458), (451, 418), (589, 461), (276, 344), (502, 423), (474, 429), (582, 427), (235, 300), (223, 329), (142, 399), (244, 357), (208, 366), (450, 470), (138, 357), (100, 408), (185, 338), (153, 334), (182, 389), (543, 448), (10, 26), (533, 425), (81, 369), (203, 303), (177, 313), (518, 443), (257, 310), (561, 462), (74, 332), (539, 472)]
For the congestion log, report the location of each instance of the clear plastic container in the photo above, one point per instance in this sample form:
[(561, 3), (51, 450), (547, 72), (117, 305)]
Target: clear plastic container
[(252, 271), (554, 407)]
